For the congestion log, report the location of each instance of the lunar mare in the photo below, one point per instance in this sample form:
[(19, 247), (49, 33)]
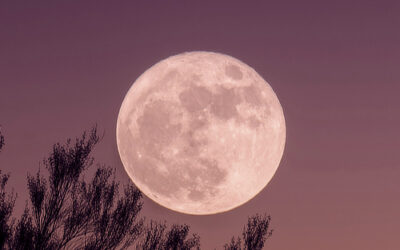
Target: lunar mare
[(201, 133)]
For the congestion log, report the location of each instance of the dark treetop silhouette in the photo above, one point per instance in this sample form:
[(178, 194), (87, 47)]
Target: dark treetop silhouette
[(1, 141), (254, 234), (67, 212)]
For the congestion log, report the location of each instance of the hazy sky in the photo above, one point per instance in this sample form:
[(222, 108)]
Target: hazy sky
[(333, 64)]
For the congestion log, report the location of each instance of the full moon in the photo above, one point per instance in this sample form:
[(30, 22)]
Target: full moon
[(201, 133)]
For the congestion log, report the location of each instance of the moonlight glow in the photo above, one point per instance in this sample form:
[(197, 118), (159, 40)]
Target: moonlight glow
[(201, 133)]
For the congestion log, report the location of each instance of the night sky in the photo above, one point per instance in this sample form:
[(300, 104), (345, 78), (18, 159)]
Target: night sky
[(334, 66)]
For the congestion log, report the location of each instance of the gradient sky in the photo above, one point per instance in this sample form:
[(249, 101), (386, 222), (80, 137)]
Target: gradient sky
[(333, 64)]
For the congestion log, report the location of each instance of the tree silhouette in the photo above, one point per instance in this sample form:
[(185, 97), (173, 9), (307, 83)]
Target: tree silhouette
[(156, 237), (6, 206), (65, 211), (254, 234), (7, 202), (1, 140)]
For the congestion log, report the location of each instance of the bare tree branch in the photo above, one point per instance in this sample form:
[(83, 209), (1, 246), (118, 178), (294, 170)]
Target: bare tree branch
[(66, 212), (255, 234), (1, 140), (177, 237)]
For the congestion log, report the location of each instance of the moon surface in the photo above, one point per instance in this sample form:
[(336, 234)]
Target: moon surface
[(201, 133)]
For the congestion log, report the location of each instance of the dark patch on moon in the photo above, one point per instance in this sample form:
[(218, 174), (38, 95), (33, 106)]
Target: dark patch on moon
[(252, 95), (224, 103), (197, 122), (195, 98), (215, 174), (253, 122), (209, 174), (155, 128), (233, 72), (196, 195)]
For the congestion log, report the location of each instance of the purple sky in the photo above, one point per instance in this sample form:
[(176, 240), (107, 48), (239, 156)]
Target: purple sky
[(333, 64)]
